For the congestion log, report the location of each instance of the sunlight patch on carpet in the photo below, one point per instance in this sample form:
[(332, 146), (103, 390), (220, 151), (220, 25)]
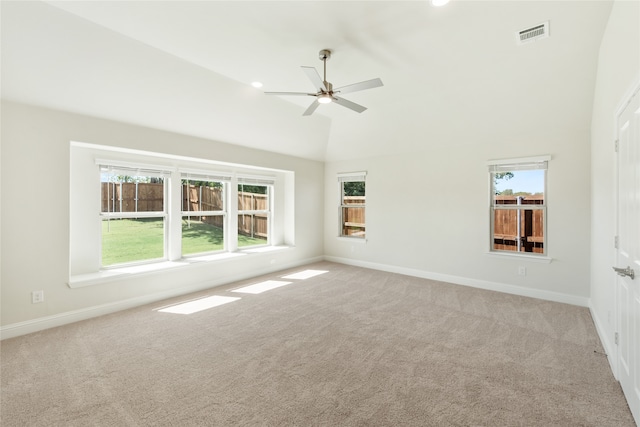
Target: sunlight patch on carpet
[(261, 287), (306, 274), (201, 304)]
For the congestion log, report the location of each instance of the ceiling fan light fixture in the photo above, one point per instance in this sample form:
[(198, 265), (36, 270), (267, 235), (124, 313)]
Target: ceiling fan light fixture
[(438, 3), (325, 98)]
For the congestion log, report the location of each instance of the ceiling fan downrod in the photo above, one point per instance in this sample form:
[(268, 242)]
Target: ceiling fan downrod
[(325, 54)]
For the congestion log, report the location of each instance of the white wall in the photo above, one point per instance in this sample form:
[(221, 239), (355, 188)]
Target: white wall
[(428, 215), (35, 216), (618, 72)]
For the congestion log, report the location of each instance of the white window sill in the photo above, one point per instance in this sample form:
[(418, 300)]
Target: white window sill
[(352, 239), (521, 256), (108, 275)]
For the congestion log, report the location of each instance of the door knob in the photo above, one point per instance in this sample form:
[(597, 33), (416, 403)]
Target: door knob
[(625, 272)]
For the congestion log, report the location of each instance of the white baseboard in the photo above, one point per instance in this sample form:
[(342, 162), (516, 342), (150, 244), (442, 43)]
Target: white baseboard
[(609, 347), (47, 322), (42, 323), (466, 281)]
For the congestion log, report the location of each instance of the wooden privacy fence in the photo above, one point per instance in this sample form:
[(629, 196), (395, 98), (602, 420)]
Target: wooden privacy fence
[(132, 197), (353, 216), (253, 224), (196, 198), (207, 198), (505, 229), (149, 197)]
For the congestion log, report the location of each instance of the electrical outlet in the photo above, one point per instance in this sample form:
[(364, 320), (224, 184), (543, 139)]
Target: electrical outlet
[(37, 297), (522, 271)]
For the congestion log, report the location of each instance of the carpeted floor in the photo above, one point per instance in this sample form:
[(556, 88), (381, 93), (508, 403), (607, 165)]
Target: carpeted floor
[(348, 347)]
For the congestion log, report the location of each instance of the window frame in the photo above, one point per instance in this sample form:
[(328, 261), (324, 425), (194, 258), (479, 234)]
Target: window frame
[(262, 182), (136, 170), (351, 177), (208, 177), (519, 164)]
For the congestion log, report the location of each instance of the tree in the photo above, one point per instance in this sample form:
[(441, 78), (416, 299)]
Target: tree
[(134, 179), (255, 189), (211, 184), (498, 176), (355, 188)]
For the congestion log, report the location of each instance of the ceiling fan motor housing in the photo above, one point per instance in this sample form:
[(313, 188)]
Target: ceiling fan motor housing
[(329, 87)]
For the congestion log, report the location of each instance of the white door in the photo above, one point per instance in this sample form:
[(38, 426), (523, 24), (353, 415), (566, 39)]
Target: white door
[(628, 253)]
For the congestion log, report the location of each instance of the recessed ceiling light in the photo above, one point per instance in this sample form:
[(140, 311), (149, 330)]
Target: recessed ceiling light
[(438, 3), (256, 84)]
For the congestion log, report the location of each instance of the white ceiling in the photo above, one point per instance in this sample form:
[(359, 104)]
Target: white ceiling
[(452, 75)]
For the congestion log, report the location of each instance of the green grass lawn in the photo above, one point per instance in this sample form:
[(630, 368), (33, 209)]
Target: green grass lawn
[(128, 240), (198, 236)]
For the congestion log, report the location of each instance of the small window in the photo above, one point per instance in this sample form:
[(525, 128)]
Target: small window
[(203, 214), (133, 213), (518, 205), (352, 204), (254, 213)]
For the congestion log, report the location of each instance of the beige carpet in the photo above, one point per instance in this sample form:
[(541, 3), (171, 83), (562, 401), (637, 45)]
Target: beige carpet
[(350, 347)]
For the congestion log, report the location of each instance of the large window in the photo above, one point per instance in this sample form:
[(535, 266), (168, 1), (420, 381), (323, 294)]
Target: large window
[(203, 213), (352, 204), (134, 211), (518, 205), (133, 214), (142, 206)]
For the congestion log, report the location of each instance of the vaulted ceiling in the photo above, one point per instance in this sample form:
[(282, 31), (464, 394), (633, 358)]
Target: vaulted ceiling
[(451, 75)]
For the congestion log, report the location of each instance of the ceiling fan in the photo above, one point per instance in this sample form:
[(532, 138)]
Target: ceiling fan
[(326, 93)]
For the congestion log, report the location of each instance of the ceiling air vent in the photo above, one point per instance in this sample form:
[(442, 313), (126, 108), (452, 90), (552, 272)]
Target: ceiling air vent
[(534, 33)]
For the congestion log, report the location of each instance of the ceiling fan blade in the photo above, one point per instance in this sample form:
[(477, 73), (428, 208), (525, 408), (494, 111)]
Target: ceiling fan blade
[(309, 111), (351, 105), (315, 78), (290, 93), (369, 84)]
